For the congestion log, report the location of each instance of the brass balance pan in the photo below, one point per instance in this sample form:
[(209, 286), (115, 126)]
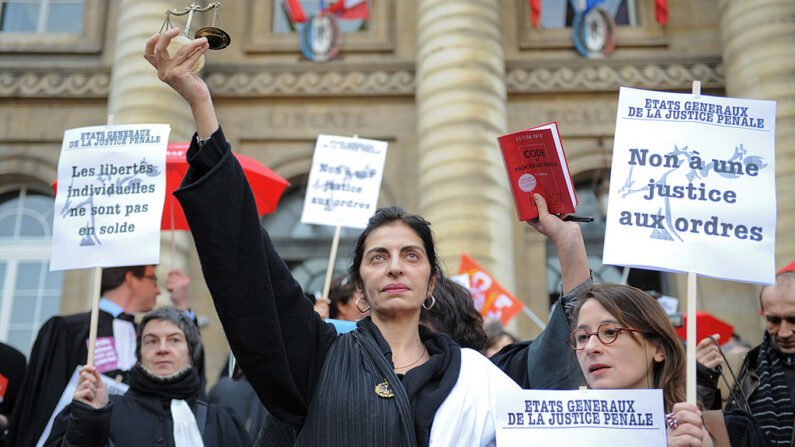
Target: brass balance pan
[(216, 37)]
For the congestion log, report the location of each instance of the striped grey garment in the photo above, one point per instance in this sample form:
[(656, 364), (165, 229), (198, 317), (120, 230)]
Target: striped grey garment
[(771, 403), (346, 410)]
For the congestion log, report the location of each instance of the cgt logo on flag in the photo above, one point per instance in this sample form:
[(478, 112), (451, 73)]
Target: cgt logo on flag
[(491, 298)]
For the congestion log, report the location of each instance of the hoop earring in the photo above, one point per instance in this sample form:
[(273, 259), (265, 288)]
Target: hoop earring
[(433, 302), (359, 308)]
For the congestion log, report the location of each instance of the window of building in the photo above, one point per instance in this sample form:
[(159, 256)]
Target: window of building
[(271, 29), (29, 292), (282, 22), (41, 16), (560, 14), (635, 20)]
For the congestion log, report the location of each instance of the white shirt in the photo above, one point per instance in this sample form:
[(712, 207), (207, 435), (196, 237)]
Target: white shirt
[(467, 417)]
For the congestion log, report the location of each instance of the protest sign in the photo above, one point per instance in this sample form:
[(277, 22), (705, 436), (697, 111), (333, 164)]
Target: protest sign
[(692, 182), (344, 181), (111, 190), (491, 298), (580, 417)]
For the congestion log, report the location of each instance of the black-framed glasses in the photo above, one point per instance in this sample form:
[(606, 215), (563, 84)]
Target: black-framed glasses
[(607, 333)]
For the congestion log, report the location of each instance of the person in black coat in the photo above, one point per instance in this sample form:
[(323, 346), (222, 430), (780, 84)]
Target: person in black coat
[(12, 372), (161, 407)]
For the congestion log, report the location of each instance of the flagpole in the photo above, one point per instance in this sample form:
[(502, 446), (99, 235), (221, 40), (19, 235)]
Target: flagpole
[(534, 317)]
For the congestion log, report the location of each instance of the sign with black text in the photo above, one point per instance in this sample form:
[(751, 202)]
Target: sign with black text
[(692, 185), (111, 190), (344, 181), (581, 417)]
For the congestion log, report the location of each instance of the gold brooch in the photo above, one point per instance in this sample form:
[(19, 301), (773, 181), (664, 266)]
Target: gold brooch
[(383, 390)]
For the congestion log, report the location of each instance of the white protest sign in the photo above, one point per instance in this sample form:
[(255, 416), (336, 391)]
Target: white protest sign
[(344, 181), (111, 191), (692, 185), (580, 418)]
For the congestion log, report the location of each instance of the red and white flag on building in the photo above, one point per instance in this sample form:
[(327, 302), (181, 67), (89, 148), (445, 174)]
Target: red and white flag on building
[(661, 11), (350, 9), (296, 11)]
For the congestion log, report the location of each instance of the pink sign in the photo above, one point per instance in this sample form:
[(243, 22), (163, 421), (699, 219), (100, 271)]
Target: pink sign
[(105, 357)]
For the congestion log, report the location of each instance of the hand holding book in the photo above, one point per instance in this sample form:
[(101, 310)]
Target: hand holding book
[(536, 164)]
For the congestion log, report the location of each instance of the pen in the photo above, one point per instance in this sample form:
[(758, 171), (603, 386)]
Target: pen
[(576, 218)]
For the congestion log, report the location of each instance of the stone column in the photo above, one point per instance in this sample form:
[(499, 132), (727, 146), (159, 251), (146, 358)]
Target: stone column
[(136, 94), (461, 101), (759, 59)]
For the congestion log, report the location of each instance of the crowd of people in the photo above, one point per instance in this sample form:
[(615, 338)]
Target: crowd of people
[(419, 366)]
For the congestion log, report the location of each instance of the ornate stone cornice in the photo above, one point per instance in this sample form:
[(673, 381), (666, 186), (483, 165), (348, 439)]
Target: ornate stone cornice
[(377, 81), (662, 76), (95, 84), (374, 82)]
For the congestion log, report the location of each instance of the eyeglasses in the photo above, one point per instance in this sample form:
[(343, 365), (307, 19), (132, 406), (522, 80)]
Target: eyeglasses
[(607, 333), (152, 277)]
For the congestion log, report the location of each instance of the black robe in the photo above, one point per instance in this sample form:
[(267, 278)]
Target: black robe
[(273, 330), (59, 348), (136, 419)]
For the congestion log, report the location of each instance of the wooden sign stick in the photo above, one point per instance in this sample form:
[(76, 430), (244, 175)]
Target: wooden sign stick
[(92, 330), (691, 316)]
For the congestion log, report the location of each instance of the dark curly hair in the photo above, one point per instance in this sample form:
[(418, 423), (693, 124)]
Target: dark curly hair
[(454, 314)]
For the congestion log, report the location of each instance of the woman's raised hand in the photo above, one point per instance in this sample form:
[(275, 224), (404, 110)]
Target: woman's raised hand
[(568, 241), (90, 388), (178, 73), (688, 431)]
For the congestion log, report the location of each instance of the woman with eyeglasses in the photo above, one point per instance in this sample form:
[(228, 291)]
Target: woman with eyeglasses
[(623, 339)]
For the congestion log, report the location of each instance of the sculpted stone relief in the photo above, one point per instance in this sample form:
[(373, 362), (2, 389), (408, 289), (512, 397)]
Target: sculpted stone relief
[(378, 82)]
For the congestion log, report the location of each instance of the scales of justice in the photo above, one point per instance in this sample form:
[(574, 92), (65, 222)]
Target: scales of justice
[(216, 37)]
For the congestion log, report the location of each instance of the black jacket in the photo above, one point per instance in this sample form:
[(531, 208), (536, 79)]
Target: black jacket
[(137, 419), (278, 339)]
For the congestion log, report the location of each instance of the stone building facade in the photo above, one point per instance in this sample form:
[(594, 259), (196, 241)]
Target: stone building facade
[(438, 79)]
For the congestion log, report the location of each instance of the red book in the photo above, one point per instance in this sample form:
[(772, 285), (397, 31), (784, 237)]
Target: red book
[(536, 163)]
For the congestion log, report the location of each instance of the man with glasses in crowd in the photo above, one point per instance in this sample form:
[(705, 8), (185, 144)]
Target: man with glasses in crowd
[(62, 344)]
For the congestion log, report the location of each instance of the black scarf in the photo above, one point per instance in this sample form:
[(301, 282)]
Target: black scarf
[(771, 402), (427, 385), (183, 385)]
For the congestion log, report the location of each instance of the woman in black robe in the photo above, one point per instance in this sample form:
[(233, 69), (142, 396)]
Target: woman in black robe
[(161, 407), (390, 381)]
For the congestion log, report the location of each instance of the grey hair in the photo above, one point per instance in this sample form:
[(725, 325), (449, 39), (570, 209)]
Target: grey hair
[(183, 321)]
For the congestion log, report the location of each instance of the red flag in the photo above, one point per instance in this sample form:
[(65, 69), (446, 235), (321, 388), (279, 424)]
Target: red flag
[(350, 9), (707, 324), (296, 11), (535, 11), (491, 299), (661, 11)]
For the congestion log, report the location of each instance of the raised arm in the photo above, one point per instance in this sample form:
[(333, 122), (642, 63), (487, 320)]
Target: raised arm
[(178, 73), (271, 327), (569, 244)]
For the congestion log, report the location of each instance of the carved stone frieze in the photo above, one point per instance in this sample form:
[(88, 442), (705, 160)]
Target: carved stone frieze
[(610, 77), (60, 84), (375, 82), (312, 83)]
